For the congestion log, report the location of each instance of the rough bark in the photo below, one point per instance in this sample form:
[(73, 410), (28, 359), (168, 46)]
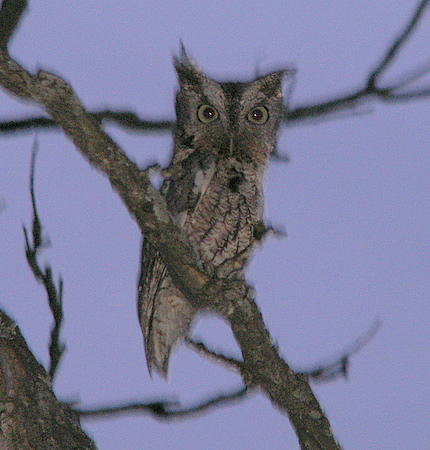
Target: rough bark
[(31, 417)]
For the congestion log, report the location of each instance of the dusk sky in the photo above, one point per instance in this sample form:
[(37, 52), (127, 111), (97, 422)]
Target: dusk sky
[(354, 202)]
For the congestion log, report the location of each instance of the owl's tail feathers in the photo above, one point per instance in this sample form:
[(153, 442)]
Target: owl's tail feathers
[(169, 324)]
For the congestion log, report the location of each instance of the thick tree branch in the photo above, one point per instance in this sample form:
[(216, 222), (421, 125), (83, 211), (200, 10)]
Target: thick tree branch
[(264, 366), (31, 416)]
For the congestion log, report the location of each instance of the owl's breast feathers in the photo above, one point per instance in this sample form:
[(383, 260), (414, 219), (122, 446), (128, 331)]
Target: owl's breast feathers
[(223, 203)]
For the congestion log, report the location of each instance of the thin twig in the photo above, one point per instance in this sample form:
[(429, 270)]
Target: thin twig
[(226, 361), (55, 296), (163, 409), (126, 119), (339, 365), (412, 75), (395, 47)]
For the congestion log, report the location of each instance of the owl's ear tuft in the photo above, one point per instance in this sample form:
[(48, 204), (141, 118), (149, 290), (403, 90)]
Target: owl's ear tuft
[(189, 73), (271, 84), (184, 57)]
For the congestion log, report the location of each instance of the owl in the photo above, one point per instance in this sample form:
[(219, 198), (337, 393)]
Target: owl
[(213, 187)]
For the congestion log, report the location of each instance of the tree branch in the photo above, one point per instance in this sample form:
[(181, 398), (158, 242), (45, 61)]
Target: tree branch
[(371, 89), (398, 42), (323, 372), (126, 119), (233, 299), (163, 409), (55, 295)]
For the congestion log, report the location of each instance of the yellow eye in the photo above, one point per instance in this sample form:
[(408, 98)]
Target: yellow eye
[(207, 113), (258, 115)]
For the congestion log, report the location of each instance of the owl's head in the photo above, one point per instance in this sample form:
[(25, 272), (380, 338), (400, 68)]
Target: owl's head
[(234, 119)]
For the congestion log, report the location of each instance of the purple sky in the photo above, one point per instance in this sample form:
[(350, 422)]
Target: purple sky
[(354, 201)]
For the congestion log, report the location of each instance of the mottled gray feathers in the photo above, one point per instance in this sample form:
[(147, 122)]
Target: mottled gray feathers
[(213, 187)]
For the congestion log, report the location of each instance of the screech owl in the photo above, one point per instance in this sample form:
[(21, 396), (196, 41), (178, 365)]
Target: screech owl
[(225, 133)]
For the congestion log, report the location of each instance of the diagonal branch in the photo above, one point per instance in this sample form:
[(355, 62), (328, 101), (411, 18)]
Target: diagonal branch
[(232, 299)]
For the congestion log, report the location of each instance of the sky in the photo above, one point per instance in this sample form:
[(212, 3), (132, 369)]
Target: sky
[(354, 201)]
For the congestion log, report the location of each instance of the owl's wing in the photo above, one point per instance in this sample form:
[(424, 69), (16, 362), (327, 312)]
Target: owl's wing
[(164, 314)]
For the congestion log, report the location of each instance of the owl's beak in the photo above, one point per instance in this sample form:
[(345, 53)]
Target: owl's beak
[(231, 146)]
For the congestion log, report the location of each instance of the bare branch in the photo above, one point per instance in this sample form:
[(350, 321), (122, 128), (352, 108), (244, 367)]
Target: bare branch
[(171, 410), (371, 90), (164, 409), (126, 119), (323, 372), (398, 43), (229, 362), (44, 276), (339, 365)]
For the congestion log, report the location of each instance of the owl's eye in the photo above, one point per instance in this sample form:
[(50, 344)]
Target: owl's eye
[(258, 115), (207, 113)]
